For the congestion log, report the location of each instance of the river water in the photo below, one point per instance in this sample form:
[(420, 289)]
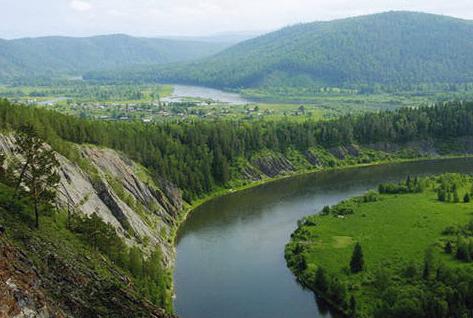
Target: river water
[(230, 252), (181, 92)]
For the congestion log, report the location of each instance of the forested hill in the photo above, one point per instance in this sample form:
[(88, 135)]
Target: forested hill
[(43, 57), (393, 48), (201, 156)]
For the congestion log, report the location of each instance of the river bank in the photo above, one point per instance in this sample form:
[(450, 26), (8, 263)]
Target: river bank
[(414, 264), (189, 209)]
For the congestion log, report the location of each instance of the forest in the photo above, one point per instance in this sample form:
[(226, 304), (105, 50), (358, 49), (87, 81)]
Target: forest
[(387, 51), (199, 156), (47, 58)]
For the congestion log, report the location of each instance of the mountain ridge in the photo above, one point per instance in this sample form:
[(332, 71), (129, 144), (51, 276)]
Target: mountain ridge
[(390, 48), (56, 56)]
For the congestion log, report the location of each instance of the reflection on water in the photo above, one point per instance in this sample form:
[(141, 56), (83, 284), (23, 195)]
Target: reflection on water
[(230, 253)]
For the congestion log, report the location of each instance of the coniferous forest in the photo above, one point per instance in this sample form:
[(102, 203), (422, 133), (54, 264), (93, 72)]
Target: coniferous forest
[(197, 155)]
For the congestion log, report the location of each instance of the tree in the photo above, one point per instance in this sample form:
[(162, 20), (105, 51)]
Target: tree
[(321, 281), (466, 198), (448, 248), (135, 261), (300, 263), (4, 173), (428, 264), (357, 262), (38, 169), (352, 306), (442, 195), (456, 197), (463, 251)]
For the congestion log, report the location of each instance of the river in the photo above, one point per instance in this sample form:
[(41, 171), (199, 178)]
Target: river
[(230, 252), (182, 92)]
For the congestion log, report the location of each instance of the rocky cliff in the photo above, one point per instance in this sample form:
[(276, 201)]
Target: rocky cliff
[(66, 283), (62, 286), (121, 192)]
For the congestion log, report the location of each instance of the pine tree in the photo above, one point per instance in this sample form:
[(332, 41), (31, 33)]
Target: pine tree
[(38, 169), (357, 262)]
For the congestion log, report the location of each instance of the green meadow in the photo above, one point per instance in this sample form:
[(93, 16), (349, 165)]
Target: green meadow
[(399, 233)]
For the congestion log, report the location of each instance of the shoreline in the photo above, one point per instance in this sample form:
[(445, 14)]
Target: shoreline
[(189, 208)]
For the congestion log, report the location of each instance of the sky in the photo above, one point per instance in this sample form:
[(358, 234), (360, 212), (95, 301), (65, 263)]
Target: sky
[(154, 18)]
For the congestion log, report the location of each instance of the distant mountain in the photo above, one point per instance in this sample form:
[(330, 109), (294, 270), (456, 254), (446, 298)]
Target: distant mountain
[(53, 56), (224, 37), (393, 48)]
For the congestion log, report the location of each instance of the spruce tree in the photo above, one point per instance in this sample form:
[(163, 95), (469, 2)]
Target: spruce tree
[(321, 282), (357, 262), (352, 306)]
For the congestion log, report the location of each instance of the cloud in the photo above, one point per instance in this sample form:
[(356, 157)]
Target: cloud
[(193, 17), (79, 5)]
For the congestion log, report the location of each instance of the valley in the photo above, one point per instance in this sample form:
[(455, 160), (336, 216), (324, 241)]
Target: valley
[(319, 170), (229, 257)]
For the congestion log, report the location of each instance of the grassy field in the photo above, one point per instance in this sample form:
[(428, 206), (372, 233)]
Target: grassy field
[(394, 230), (146, 102)]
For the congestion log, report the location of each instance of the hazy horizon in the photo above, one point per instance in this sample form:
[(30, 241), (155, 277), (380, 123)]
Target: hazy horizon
[(185, 18)]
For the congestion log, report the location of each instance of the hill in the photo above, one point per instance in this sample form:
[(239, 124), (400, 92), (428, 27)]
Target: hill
[(54, 56), (393, 49), (410, 237)]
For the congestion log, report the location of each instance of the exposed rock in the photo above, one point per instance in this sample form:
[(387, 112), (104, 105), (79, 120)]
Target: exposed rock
[(112, 204), (273, 165), (112, 188), (20, 293), (339, 153), (353, 150), (251, 174), (313, 159), (62, 288)]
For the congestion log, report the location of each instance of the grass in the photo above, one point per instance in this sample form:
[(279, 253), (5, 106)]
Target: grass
[(140, 102), (394, 231), (401, 227)]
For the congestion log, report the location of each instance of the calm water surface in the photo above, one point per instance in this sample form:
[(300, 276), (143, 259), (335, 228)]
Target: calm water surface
[(230, 253), (183, 91)]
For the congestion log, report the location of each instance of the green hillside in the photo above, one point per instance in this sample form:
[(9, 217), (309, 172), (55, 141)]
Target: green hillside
[(47, 56), (392, 49)]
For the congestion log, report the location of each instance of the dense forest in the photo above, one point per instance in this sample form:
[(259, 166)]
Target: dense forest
[(36, 58), (394, 49), (199, 155)]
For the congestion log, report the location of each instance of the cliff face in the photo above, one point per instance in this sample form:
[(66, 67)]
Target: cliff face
[(20, 294), (62, 287), (121, 192), (66, 284)]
